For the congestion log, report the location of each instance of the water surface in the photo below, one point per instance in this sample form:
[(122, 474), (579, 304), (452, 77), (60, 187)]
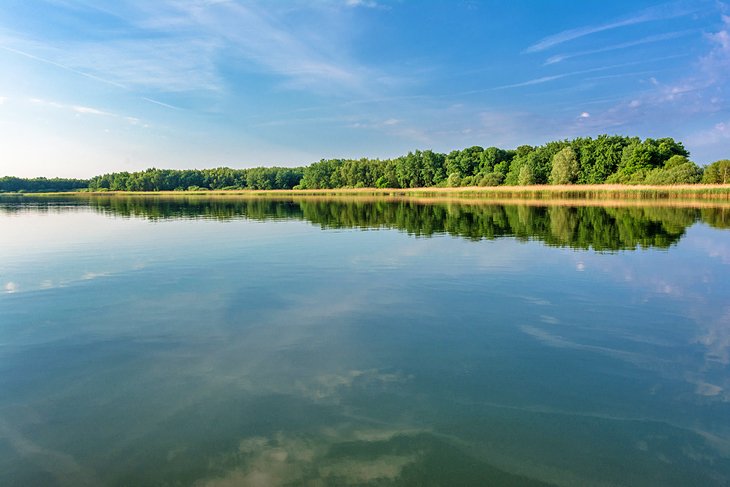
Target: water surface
[(212, 342)]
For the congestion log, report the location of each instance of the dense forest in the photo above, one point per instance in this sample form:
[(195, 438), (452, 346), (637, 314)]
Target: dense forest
[(584, 160), (9, 184), (197, 179)]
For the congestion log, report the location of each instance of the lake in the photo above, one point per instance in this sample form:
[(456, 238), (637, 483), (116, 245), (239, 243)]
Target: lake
[(214, 341)]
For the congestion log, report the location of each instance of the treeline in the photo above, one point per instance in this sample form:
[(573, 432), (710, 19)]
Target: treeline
[(9, 184), (197, 179), (605, 159), (585, 160)]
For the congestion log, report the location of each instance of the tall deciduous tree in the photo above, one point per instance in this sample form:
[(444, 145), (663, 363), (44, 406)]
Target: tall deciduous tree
[(717, 173), (527, 175), (565, 167)]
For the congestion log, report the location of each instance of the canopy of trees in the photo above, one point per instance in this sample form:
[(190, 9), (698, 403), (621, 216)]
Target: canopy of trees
[(612, 159), (194, 179), (585, 160), (40, 185)]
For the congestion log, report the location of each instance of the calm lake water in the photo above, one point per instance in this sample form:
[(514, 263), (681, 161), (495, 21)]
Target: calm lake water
[(221, 342)]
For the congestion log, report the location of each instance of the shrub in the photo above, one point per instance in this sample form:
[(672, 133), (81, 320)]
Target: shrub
[(492, 179)]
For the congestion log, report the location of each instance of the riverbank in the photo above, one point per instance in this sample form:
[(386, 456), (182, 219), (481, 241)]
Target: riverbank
[(704, 192)]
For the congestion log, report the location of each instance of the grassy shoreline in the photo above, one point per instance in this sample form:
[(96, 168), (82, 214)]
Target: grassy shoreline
[(601, 192)]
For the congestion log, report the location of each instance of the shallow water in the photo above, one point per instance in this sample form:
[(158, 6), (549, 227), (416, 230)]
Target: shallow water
[(212, 342)]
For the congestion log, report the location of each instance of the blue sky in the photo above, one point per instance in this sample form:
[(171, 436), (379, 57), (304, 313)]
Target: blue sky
[(88, 87)]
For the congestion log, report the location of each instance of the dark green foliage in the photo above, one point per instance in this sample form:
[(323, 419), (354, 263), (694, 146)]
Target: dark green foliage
[(599, 228), (198, 179), (598, 158), (10, 184), (465, 162), (604, 229), (650, 154), (321, 175), (493, 157), (433, 170)]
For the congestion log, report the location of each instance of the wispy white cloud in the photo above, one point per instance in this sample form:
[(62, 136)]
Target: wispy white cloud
[(646, 40), (536, 81), (699, 93), (503, 127), (278, 122), (79, 72), (162, 104), (716, 339), (272, 44), (362, 3), (46, 103), (704, 93), (161, 65), (60, 65), (716, 64), (81, 110), (186, 46), (379, 123), (643, 73), (716, 134), (659, 12), (88, 110), (395, 127), (546, 79), (267, 41)]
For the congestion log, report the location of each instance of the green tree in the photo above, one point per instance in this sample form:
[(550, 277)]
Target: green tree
[(454, 180), (598, 158), (565, 167), (464, 162), (717, 173), (491, 157), (432, 167), (527, 175), (520, 158), (643, 156)]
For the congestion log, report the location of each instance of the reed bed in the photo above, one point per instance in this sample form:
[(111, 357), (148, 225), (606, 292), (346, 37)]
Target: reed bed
[(597, 192)]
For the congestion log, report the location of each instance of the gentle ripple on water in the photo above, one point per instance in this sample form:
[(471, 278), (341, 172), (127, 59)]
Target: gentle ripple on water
[(212, 342)]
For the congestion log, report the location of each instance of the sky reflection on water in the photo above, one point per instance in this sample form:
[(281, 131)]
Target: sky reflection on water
[(268, 351)]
